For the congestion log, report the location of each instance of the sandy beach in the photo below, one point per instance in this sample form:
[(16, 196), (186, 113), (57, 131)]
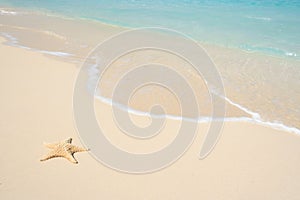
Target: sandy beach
[(249, 162), (41, 56)]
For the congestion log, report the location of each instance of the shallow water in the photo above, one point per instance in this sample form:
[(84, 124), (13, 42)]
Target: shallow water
[(271, 27), (260, 87)]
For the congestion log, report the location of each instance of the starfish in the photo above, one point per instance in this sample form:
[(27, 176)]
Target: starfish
[(63, 149)]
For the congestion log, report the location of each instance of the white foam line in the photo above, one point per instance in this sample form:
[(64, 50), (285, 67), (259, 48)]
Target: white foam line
[(203, 119), (14, 42), (255, 120), (260, 18), (6, 12), (56, 53), (279, 126), (254, 115), (291, 54), (12, 39)]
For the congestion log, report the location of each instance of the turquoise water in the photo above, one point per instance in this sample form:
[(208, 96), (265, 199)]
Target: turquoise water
[(271, 27)]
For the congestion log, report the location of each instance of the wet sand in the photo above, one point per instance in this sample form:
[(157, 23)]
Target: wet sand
[(259, 84)]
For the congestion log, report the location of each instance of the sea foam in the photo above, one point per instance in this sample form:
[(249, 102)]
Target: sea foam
[(7, 12)]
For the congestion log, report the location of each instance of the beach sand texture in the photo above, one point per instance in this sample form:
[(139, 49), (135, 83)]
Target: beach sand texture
[(250, 161)]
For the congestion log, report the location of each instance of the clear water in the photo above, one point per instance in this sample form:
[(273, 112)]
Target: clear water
[(269, 26)]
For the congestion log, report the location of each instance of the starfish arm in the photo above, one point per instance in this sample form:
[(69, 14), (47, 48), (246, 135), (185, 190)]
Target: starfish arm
[(49, 156), (75, 149), (71, 158)]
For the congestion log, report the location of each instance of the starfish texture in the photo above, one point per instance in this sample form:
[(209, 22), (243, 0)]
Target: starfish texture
[(63, 149)]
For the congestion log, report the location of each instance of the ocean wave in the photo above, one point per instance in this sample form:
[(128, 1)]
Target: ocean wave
[(269, 50), (12, 41), (7, 12), (259, 18), (55, 53), (254, 119), (259, 23), (290, 54)]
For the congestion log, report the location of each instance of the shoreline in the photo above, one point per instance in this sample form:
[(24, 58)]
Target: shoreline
[(273, 125), (247, 48), (48, 13), (236, 109), (249, 162)]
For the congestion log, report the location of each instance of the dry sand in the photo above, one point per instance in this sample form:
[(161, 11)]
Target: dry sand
[(249, 162)]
